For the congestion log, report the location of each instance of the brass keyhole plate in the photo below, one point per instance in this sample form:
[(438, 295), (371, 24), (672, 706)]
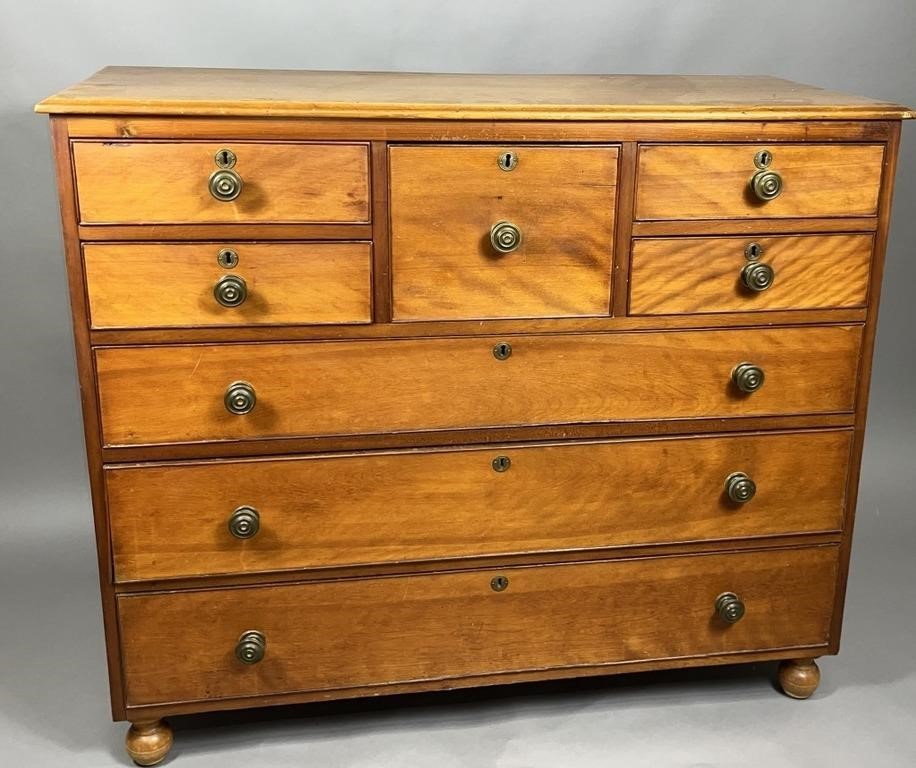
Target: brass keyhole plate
[(507, 161), (499, 583), (227, 258), (225, 158), (753, 251), (763, 159), (501, 463), (502, 351)]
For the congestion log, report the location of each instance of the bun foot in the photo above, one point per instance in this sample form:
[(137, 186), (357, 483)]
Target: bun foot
[(148, 741), (799, 678)]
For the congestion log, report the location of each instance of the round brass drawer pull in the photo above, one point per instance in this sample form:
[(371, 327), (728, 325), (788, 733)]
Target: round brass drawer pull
[(505, 237), (748, 377), (225, 185), (757, 276), (230, 291), (729, 607), (251, 647), (766, 185), (739, 487), (240, 398), (244, 523)]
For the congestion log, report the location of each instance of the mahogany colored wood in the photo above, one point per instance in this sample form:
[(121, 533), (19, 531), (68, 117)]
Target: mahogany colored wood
[(462, 131), (332, 635), (289, 93), (167, 183), (799, 678), (172, 520), (444, 202), (176, 394), (134, 285), (148, 741), (433, 329), (711, 182), (88, 394), (380, 409), (685, 275), (864, 378)]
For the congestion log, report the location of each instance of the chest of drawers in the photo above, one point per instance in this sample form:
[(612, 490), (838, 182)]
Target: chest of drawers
[(404, 382)]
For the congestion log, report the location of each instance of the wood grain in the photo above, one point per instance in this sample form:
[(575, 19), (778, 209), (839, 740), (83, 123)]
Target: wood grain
[(418, 506), (461, 131), (285, 93), (88, 396), (159, 285), (688, 275), (175, 394), (135, 182), (444, 200), (180, 646), (711, 182)]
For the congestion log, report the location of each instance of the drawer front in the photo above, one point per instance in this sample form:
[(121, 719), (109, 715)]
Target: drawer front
[(169, 183), (724, 274), (445, 202), (190, 519), (134, 285), (364, 632), (178, 393), (712, 182)]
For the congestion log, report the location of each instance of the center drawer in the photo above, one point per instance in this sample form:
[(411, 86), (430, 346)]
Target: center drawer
[(186, 646), (491, 231), (208, 392), (318, 511)]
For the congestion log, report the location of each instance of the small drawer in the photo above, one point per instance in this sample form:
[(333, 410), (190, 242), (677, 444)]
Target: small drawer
[(690, 181), (325, 636), (159, 285), (227, 182), (199, 393), (249, 516), (688, 275), (501, 231)]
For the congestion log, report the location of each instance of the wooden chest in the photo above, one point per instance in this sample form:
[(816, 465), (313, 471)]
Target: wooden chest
[(402, 382)]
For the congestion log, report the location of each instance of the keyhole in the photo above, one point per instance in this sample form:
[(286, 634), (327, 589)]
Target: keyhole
[(507, 161), (224, 158), (499, 583), (502, 350), (763, 158), (753, 251), (501, 463)]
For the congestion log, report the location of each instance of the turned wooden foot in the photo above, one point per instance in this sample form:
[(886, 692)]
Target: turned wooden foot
[(148, 741), (799, 677)]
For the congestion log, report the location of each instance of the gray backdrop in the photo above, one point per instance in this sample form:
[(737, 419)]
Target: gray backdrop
[(53, 692)]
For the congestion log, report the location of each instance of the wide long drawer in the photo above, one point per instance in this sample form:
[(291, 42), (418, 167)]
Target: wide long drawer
[(181, 394), (185, 646), (193, 519)]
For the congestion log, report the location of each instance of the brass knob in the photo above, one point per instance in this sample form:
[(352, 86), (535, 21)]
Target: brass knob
[(251, 647), (244, 523), (225, 185), (505, 237), (739, 487), (757, 276), (748, 377), (239, 398), (729, 607), (230, 291), (766, 185)]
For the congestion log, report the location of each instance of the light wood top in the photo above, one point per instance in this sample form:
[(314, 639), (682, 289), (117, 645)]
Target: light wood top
[(293, 93)]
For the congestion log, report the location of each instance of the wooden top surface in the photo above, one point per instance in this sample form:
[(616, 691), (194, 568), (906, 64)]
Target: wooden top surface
[(294, 93)]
